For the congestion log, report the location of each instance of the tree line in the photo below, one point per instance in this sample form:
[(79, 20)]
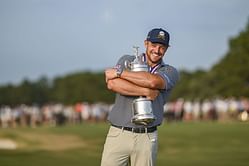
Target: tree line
[(228, 78), (70, 89)]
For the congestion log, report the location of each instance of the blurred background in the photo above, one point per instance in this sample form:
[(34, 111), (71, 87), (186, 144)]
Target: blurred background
[(53, 54)]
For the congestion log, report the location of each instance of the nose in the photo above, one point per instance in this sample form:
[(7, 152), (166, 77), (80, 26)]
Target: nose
[(157, 48)]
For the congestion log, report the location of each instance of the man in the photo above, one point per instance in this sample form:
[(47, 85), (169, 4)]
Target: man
[(127, 142)]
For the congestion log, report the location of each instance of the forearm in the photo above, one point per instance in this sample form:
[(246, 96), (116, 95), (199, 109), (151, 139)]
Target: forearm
[(144, 79), (125, 87)]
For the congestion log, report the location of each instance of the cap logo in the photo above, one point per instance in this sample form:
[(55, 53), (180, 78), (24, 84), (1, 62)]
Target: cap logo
[(161, 35)]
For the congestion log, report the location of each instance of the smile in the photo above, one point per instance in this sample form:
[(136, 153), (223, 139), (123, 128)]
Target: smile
[(156, 55)]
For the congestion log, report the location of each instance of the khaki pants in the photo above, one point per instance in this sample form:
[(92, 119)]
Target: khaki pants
[(123, 147)]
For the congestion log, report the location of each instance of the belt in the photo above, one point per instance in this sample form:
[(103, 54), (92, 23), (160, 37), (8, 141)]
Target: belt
[(138, 129)]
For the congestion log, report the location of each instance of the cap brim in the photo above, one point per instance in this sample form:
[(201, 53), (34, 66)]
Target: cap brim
[(158, 41)]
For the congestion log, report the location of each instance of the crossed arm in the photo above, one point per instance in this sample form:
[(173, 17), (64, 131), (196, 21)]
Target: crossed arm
[(134, 83)]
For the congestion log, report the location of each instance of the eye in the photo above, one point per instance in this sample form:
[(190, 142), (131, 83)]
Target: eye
[(154, 45), (162, 48)]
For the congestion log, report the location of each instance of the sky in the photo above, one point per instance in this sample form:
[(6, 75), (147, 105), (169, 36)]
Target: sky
[(53, 38)]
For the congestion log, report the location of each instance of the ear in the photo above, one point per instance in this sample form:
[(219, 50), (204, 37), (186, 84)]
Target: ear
[(145, 43), (166, 48)]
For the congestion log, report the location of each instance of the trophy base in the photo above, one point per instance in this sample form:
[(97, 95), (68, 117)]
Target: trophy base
[(144, 119)]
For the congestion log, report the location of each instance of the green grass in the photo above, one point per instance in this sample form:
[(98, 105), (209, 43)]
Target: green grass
[(188, 144)]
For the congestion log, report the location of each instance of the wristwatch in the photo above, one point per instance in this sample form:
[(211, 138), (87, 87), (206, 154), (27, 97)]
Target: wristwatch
[(119, 71)]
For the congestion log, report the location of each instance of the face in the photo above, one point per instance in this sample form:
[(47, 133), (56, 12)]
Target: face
[(154, 52)]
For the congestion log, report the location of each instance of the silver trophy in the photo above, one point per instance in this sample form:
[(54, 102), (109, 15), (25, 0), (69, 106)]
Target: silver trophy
[(141, 106)]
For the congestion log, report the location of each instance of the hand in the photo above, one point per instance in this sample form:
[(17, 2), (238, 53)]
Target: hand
[(152, 94), (110, 74)]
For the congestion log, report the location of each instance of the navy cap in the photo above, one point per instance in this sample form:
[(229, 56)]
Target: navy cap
[(158, 35)]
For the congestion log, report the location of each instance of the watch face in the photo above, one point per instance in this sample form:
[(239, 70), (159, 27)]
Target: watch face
[(118, 66), (119, 71)]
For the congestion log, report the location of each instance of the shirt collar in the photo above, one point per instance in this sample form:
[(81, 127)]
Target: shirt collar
[(154, 68)]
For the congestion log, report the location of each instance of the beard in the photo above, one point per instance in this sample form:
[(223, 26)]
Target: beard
[(154, 58)]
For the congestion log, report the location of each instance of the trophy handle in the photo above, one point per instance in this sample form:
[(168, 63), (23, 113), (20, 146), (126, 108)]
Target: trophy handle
[(127, 64)]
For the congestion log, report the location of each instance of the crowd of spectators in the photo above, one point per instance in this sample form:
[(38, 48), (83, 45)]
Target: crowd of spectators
[(179, 110), (221, 109), (52, 114)]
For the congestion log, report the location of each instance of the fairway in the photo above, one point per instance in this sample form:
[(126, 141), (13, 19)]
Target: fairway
[(183, 144)]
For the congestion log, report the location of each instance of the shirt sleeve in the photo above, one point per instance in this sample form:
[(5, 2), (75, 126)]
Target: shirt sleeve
[(170, 76)]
